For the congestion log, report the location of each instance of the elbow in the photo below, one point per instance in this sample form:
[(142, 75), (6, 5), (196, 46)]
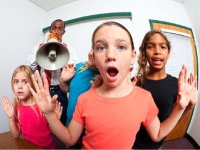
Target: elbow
[(16, 135), (156, 138), (71, 143)]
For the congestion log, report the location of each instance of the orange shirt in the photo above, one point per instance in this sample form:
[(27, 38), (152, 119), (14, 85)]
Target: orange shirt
[(113, 122)]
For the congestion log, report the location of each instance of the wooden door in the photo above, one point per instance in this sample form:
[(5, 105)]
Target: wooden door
[(181, 127)]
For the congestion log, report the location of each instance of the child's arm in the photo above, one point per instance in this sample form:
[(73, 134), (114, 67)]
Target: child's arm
[(10, 111), (66, 75), (157, 130), (69, 135)]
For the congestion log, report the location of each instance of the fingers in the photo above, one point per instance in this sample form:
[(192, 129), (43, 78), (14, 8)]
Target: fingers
[(31, 89), (96, 81), (46, 84), (4, 102), (184, 73), (181, 76), (34, 81), (39, 79), (54, 99)]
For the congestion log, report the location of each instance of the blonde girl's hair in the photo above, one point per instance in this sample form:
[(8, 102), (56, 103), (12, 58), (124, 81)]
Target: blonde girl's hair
[(28, 72), (143, 69)]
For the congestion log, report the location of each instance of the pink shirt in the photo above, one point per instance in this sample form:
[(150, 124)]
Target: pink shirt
[(34, 126), (112, 123)]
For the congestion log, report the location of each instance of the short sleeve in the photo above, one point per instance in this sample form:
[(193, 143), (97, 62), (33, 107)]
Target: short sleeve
[(77, 115), (152, 111)]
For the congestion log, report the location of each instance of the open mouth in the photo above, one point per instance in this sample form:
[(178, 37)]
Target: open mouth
[(157, 61), (112, 71), (20, 93)]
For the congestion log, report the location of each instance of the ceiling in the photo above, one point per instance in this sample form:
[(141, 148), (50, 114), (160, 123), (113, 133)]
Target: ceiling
[(48, 5)]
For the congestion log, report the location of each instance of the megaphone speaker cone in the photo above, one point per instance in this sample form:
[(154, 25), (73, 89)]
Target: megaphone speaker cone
[(52, 56)]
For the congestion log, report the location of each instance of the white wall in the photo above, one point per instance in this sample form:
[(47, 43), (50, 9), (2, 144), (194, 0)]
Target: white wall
[(78, 36), (21, 25), (192, 7)]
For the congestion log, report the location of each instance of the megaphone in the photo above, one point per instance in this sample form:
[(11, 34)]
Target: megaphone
[(52, 55)]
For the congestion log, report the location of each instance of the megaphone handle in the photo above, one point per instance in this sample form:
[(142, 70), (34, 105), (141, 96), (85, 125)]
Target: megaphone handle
[(48, 75)]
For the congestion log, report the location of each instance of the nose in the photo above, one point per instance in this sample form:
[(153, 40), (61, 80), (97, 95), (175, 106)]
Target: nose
[(20, 85), (110, 55), (157, 50)]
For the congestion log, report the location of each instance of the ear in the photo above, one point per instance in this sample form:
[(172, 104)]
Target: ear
[(63, 31), (133, 56)]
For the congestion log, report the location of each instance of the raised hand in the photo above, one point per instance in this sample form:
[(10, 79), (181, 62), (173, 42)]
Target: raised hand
[(67, 72), (58, 109), (41, 95), (194, 93), (96, 81), (186, 88), (8, 107)]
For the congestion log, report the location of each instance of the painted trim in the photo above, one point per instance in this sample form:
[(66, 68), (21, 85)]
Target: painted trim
[(94, 17), (192, 141), (175, 32), (168, 23)]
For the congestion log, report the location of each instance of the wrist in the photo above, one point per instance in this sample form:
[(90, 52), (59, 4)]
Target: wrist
[(61, 80), (50, 115), (11, 118)]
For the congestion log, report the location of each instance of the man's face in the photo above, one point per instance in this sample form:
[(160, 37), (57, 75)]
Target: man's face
[(58, 29)]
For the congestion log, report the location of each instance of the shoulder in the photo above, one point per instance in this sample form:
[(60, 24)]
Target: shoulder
[(141, 92), (172, 80), (88, 94), (85, 98), (80, 64)]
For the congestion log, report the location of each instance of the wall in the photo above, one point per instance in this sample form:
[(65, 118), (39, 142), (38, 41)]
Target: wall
[(33, 19), (192, 7), (21, 24)]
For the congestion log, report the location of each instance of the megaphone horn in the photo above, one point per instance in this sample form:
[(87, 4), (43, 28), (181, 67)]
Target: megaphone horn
[(52, 55)]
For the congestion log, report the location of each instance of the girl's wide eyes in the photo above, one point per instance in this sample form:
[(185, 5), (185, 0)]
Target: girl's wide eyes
[(23, 82), (121, 48), (100, 48)]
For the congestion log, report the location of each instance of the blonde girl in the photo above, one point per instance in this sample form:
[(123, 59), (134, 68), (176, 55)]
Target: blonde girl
[(25, 118)]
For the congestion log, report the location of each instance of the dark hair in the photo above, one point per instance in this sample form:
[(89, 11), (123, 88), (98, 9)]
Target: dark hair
[(58, 20), (142, 60), (110, 23)]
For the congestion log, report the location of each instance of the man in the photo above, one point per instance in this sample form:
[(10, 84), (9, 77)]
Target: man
[(57, 29)]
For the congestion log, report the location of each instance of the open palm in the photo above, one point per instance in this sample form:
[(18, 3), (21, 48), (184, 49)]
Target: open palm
[(8, 107), (41, 95), (185, 88)]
